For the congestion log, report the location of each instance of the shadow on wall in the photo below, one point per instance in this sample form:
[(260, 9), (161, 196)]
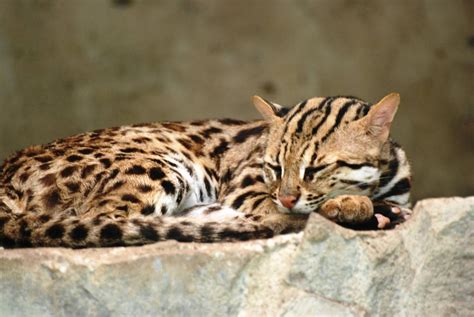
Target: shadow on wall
[(68, 67)]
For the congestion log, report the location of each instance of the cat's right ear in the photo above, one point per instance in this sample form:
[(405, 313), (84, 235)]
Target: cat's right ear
[(269, 110), (380, 117)]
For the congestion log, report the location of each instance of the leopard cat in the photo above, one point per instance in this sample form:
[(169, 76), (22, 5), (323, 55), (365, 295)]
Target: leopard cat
[(209, 181)]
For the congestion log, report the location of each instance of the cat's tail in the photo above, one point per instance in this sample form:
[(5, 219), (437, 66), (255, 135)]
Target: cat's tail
[(103, 231)]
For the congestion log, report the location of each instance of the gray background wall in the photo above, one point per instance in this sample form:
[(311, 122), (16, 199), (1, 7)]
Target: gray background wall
[(72, 66)]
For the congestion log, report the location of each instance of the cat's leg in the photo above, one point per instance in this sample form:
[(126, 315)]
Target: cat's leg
[(255, 204), (359, 212)]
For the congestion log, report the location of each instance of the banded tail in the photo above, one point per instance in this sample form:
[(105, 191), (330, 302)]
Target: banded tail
[(79, 232)]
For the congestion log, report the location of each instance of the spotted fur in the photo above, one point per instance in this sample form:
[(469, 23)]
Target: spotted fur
[(205, 181)]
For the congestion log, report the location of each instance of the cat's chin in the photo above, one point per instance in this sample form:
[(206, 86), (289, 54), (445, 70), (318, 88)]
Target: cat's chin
[(295, 210)]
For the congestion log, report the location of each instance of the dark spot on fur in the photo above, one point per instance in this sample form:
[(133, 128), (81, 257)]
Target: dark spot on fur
[(175, 233), (58, 152), (103, 202), (99, 176), (74, 158), (186, 143), (196, 139), (73, 187), (231, 121), (105, 162), (79, 233), (148, 210), (174, 126), (169, 187), (86, 171), (145, 188), (123, 208), (68, 171), (97, 220), (141, 140), (86, 151), (117, 185), (227, 176), (24, 177), (229, 234), (43, 159), (149, 233), (221, 148), (207, 232), (212, 130), (48, 179), (136, 170), (257, 203), (45, 166), (164, 210), (131, 198), (56, 231), (241, 199), (111, 232), (132, 150), (52, 199), (155, 173), (247, 181), (44, 218), (243, 135)]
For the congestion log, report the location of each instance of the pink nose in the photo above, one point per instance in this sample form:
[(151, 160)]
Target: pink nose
[(289, 201)]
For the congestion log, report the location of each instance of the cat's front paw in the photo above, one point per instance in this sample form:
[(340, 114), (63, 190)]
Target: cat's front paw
[(348, 209)]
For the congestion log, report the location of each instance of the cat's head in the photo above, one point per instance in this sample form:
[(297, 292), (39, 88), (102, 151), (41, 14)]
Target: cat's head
[(325, 147)]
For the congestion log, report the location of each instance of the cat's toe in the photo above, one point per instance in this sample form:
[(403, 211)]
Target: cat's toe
[(382, 221)]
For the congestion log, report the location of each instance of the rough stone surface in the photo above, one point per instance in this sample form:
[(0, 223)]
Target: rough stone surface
[(423, 268)]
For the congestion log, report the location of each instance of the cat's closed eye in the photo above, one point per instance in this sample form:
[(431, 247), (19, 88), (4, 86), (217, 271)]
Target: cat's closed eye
[(309, 172)]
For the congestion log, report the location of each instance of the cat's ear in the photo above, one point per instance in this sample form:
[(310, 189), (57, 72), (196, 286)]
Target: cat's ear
[(269, 110), (380, 117)]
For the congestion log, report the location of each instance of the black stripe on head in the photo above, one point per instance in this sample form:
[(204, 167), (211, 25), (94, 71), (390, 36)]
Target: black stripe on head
[(403, 186), (365, 110), (362, 110), (387, 176), (305, 116), (296, 110), (315, 153), (327, 111), (342, 111)]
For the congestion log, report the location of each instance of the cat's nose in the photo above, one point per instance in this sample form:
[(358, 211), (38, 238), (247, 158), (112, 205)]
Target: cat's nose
[(289, 201)]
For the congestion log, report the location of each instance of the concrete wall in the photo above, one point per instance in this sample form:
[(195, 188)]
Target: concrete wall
[(71, 66)]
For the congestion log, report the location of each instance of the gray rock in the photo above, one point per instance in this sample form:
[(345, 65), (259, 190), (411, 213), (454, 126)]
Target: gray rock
[(424, 268)]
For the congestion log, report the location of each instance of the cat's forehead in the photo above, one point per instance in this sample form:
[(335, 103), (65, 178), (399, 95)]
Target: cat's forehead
[(312, 124), (314, 116)]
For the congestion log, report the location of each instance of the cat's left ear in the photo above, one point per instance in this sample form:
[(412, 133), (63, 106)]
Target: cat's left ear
[(269, 110), (380, 117)]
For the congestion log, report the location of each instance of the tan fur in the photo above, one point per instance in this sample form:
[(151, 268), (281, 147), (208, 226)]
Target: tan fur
[(140, 184)]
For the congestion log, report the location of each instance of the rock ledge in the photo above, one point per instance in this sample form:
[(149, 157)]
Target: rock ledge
[(423, 268)]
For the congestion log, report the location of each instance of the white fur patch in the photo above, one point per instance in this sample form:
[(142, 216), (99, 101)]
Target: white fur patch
[(366, 174), (403, 172), (223, 214)]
